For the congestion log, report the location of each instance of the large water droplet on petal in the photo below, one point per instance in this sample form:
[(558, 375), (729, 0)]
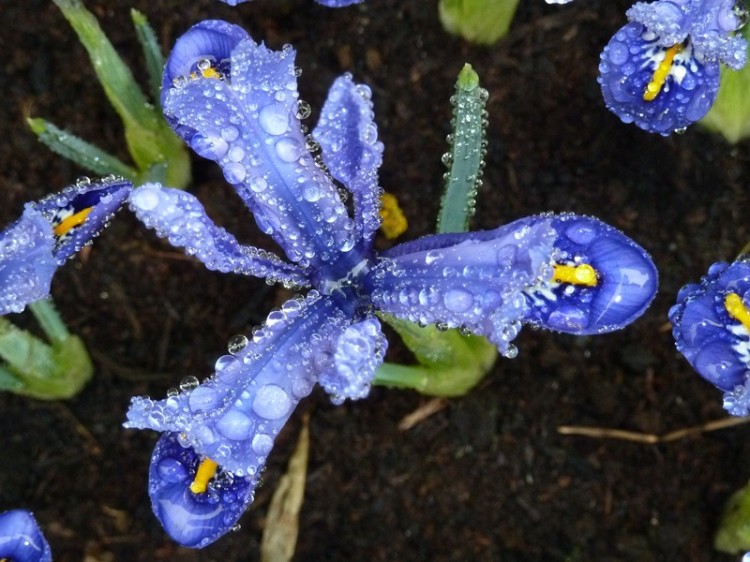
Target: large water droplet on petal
[(234, 172), (274, 119), (262, 444), (458, 300), (272, 402), (288, 149), (171, 470), (235, 425)]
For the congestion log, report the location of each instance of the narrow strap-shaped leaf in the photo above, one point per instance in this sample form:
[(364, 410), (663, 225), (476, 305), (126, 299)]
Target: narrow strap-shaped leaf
[(151, 51), (465, 157), (84, 154)]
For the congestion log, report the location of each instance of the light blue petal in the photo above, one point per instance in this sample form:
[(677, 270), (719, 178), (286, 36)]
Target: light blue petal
[(179, 217), (27, 262), (473, 280), (247, 122), (348, 138), (348, 369), (234, 416)]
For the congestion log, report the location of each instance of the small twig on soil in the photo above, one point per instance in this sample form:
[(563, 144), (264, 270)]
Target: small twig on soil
[(423, 412), (650, 438), (93, 445)]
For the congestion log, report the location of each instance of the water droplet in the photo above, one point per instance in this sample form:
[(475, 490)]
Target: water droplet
[(311, 192), (203, 399), (189, 383), (237, 343), (272, 402), (230, 133), (458, 300), (236, 154), (211, 148), (258, 184), (234, 172), (223, 362), (235, 425), (432, 256), (274, 119), (83, 181), (511, 352), (303, 109), (171, 470), (262, 444), (288, 149)]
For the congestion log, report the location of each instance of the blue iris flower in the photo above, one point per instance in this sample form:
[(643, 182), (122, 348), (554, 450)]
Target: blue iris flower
[(661, 70), (235, 102), (711, 326), (48, 233), (20, 538)]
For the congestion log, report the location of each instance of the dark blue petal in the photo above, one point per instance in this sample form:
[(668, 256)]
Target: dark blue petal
[(48, 233), (244, 117), (234, 416), (211, 40), (627, 66), (180, 217), (20, 538), (80, 212), (714, 343), (708, 25), (348, 138), (193, 519), (626, 280)]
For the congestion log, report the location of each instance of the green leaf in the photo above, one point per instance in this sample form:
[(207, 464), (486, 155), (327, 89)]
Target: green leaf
[(733, 534), (479, 21), (449, 363), (148, 136), (730, 113), (465, 157), (151, 52), (84, 154), (34, 368)]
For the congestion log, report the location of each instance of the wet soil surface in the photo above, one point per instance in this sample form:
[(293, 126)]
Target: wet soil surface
[(488, 477)]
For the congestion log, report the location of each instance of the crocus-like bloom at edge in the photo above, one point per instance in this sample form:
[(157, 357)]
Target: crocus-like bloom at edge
[(236, 102), (661, 70), (20, 538), (711, 327), (48, 233)]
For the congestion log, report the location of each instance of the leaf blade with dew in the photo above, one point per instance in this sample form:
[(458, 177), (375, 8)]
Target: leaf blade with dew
[(465, 157), (152, 52), (86, 155), (149, 139)]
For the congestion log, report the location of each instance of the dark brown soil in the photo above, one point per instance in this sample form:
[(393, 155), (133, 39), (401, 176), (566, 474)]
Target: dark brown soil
[(486, 478)]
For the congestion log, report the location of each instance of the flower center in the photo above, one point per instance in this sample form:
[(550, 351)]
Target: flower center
[(659, 77), (582, 274), (64, 224), (737, 309), (206, 470)]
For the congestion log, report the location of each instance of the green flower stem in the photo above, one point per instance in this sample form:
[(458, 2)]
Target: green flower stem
[(478, 21), (733, 534)]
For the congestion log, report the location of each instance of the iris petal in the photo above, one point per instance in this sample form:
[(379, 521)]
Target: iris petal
[(20, 538), (193, 519), (716, 344), (627, 66), (247, 122), (180, 217), (234, 416), (348, 138)]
